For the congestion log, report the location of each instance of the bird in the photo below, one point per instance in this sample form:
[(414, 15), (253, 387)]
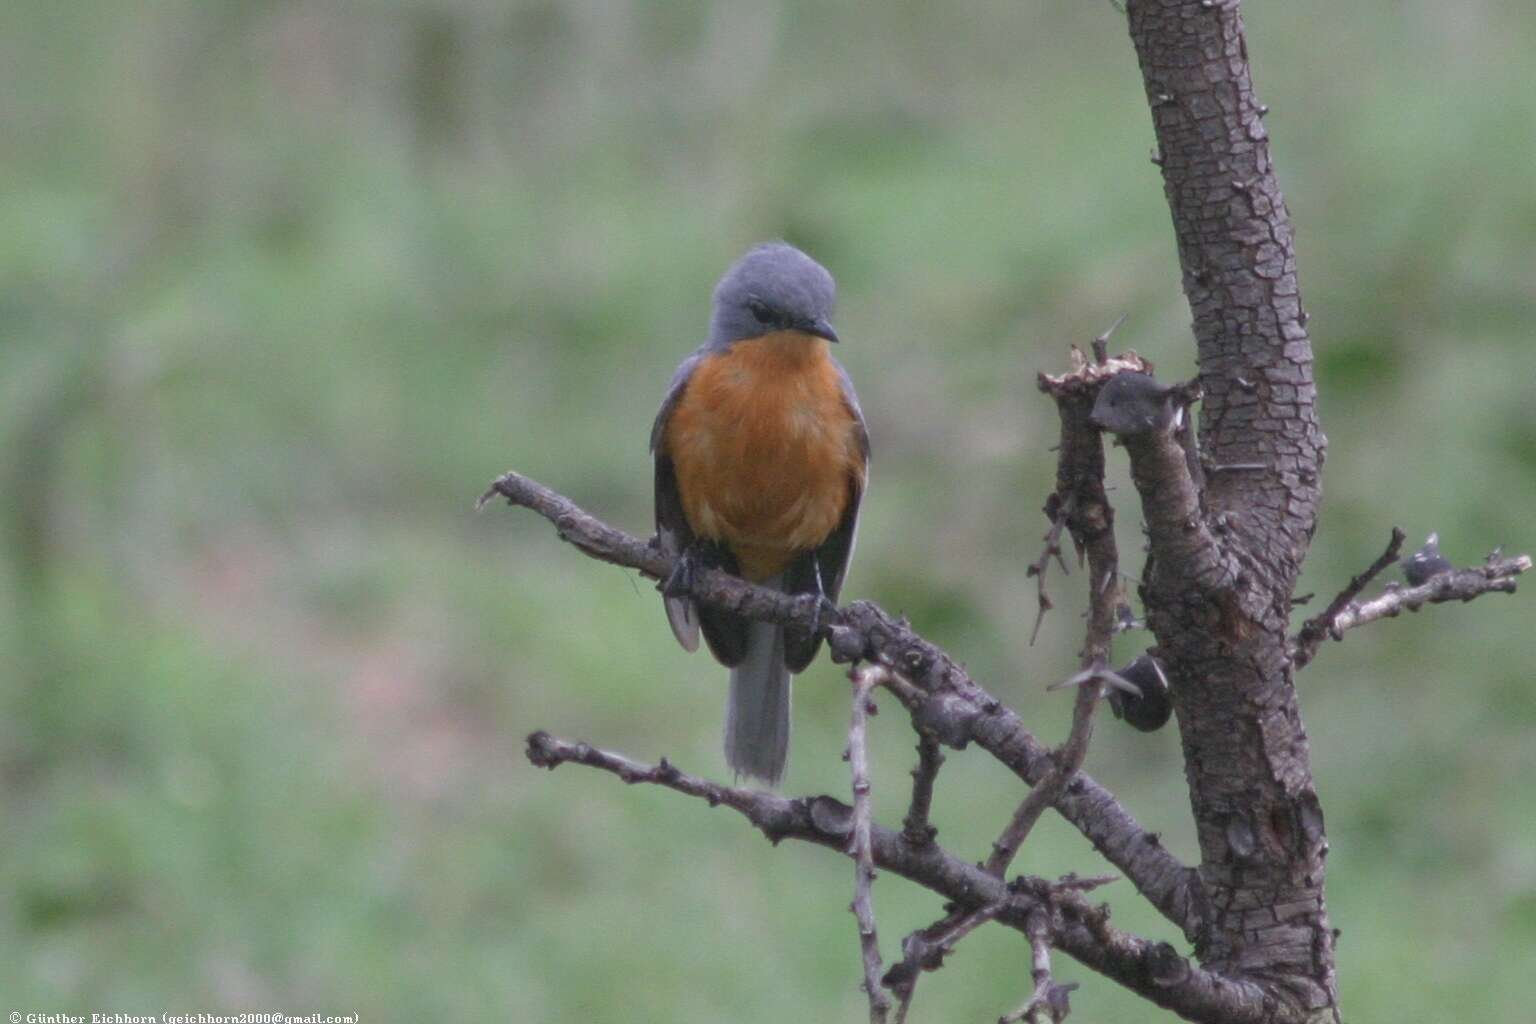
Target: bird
[(761, 458), (1426, 563)]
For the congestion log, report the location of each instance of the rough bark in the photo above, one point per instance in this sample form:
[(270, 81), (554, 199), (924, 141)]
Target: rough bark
[(1221, 616)]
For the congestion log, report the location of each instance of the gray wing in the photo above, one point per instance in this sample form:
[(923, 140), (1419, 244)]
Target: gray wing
[(672, 531), (675, 391), (836, 552)]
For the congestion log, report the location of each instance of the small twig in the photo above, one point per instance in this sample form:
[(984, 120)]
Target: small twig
[(930, 758), (1079, 487), (1069, 758), (1024, 817), (926, 948), (1074, 883), (1047, 996), (1318, 628), (1084, 931), (1058, 509), (1495, 576), (865, 679)]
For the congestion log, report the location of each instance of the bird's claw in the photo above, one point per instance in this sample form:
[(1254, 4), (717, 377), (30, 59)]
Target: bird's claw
[(679, 583), (822, 611)]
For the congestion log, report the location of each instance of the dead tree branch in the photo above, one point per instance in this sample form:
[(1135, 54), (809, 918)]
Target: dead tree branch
[(1153, 970), (1497, 577), (865, 679), (926, 948), (1057, 511), (1081, 504), (943, 699), (930, 758), (1225, 549), (1318, 628), (1047, 996)]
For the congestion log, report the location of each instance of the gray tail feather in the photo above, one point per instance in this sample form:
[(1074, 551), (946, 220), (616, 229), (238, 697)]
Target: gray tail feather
[(757, 717)]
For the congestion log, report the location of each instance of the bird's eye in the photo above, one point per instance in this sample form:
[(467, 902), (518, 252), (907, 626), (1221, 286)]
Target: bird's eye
[(760, 311)]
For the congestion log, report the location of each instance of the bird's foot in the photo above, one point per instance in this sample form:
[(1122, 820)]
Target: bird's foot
[(685, 571), (823, 612), (701, 554)]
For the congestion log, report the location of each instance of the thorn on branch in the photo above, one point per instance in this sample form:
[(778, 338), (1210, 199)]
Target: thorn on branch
[(1057, 509), (1101, 343)]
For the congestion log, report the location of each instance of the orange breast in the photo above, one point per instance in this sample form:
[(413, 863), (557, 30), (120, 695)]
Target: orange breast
[(765, 449)]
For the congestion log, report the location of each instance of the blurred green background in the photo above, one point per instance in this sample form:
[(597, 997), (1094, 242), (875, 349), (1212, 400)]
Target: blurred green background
[(283, 285)]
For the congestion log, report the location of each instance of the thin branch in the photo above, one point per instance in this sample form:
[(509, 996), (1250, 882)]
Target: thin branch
[(1047, 996), (1068, 760), (1321, 626), (943, 699), (1081, 502), (1497, 576), (1086, 507), (1154, 970), (915, 826), (865, 679), (926, 948)]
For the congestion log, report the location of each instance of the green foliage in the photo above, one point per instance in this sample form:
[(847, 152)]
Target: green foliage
[(283, 285)]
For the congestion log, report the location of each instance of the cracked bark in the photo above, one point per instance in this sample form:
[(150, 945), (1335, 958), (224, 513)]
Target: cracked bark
[(1219, 598)]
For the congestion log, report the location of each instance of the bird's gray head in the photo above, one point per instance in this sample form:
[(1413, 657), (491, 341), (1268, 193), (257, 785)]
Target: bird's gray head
[(774, 287)]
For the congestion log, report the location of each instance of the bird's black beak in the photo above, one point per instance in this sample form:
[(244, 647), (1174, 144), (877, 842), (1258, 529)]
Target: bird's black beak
[(821, 327)]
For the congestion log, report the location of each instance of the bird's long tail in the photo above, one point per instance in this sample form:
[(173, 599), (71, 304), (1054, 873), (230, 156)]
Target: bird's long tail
[(757, 716)]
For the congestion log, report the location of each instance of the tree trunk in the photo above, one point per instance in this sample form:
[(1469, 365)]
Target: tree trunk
[(1221, 616)]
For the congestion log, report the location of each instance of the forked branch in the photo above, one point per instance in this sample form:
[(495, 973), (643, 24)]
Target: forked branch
[(1153, 970), (1496, 576), (945, 702)]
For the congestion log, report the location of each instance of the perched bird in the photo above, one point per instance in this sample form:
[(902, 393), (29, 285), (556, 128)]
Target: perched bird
[(1135, 403), (1426, 563), (761, 458), (1149, 710)]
